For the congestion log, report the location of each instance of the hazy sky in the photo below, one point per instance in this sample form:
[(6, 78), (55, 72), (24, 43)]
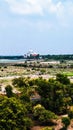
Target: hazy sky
[(45, 26)]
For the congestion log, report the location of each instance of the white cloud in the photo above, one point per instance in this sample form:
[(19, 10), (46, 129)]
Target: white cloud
[(62, 10), (24, 6), (40, 7), (34, 6)]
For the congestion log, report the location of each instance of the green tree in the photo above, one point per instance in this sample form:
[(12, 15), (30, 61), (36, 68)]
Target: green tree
[(9, 92), (66, 122), (47, 116), (54, 95), (37, 110), (13, 115), (19, 82), (43, 115), (25, 98), (62, 79)]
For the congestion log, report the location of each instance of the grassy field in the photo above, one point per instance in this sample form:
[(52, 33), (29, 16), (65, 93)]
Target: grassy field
[(36, 68), (69, 73)]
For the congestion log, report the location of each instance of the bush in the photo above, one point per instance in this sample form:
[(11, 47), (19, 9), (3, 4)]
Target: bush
[(66, 122), (43, 115)]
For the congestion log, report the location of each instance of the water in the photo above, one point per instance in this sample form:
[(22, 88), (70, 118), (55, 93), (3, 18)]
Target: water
[(11, 61)]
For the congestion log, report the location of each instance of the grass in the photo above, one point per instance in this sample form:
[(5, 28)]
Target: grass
[(47, 128), (68, 73), (11, 70)]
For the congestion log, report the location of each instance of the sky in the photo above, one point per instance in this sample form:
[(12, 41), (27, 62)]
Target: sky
[(44, 26)]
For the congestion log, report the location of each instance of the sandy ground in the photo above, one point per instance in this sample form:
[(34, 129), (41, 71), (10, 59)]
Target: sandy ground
[(30, 75)]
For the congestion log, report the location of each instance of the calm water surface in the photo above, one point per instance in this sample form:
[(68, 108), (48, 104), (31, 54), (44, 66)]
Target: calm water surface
[(11, 61)]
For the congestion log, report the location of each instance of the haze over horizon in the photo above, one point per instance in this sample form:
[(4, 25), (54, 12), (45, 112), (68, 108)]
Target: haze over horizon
[(46, 27)]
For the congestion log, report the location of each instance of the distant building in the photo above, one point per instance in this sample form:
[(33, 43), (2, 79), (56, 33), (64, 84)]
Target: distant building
[(31, 54)]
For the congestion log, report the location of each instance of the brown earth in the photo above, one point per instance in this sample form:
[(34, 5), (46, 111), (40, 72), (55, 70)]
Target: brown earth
[(57, 127)]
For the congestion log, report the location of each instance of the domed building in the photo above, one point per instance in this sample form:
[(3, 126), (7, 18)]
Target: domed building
[(31, 54)]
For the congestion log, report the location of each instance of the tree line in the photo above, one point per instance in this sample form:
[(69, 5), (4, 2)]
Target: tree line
[(38, 56)]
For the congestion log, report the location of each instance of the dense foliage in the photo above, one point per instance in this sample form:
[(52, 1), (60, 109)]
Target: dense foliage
[(13, 115), (56, 94), (39, 100)]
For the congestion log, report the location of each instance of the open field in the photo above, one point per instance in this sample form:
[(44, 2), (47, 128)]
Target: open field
[(37, 68)]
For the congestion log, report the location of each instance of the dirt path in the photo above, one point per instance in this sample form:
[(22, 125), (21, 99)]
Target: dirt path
[(37, 128), (59, 125)]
